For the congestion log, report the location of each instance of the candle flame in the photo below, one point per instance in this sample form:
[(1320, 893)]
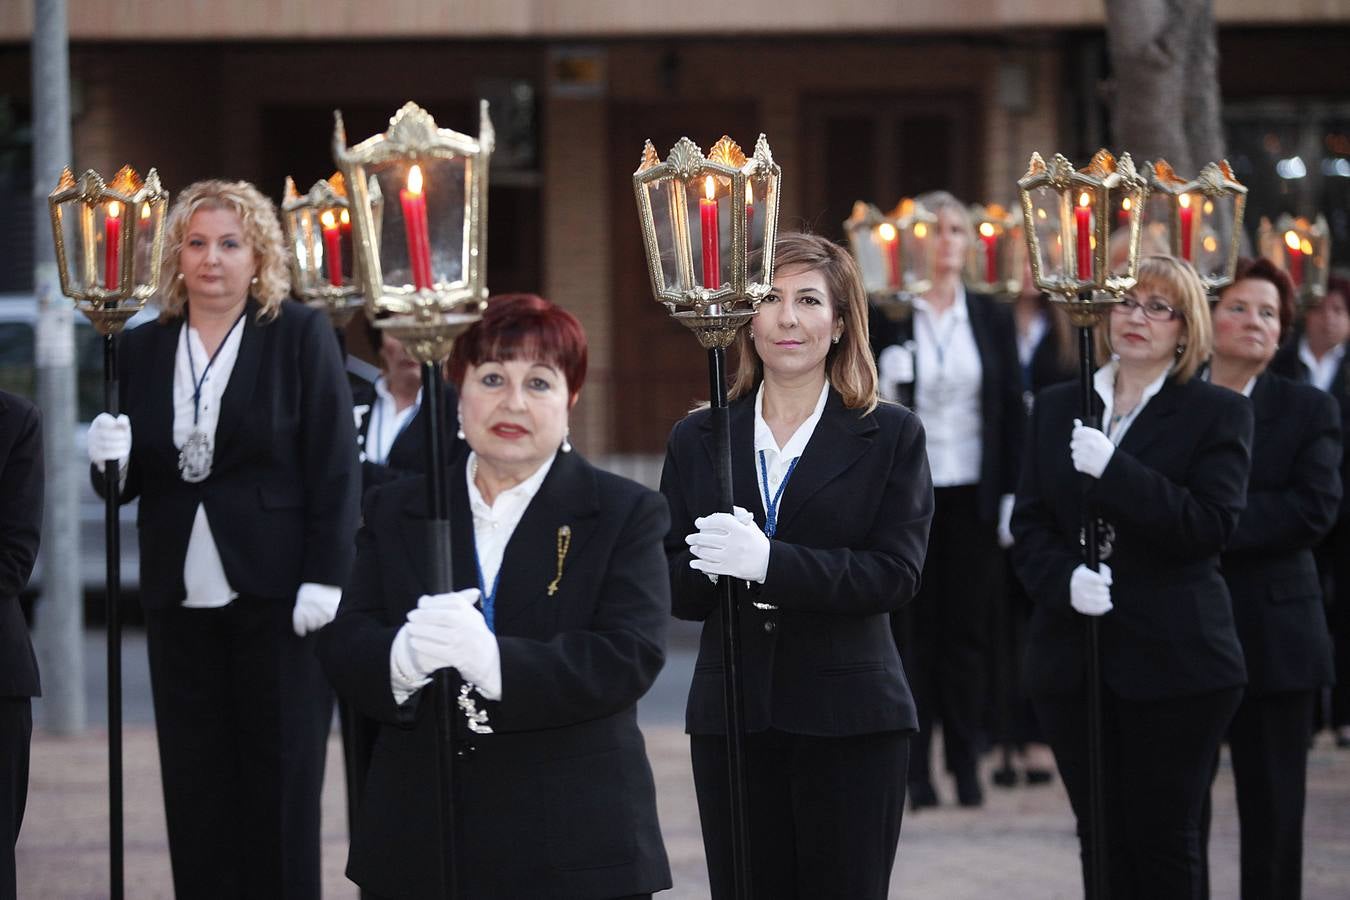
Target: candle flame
[(887, 231), (1210, 244), (749, 192), (1306, 247), (1126, 204), (1185, 201), (1040, 214), (345, 217), (328, 219), (1084, 199), (415, 180), (1291, 241), (145, 210), (709, 188), (986, 229), (920, 230), (114, 209), (1208, 207)]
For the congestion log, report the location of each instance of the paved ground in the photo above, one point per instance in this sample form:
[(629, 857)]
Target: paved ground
[(1020, 845)]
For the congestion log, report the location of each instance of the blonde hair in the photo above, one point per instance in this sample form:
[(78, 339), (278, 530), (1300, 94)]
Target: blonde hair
[(848, 364), (1176, 280), (262, 232)]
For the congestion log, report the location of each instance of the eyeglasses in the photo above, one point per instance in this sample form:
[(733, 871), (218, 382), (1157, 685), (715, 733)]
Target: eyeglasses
[(1156, 310)]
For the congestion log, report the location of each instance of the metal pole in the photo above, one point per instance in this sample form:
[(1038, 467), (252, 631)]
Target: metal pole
[(731, 638), (58, 632), (113, 593), (444, 682), (1097, 882)]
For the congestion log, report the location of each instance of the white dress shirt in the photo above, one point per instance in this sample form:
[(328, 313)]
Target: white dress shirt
[(1321, 372), (387, 422), (494, 524), (203, 572), (778, 460), (947, 390), (1029, 341), (1104, 381)]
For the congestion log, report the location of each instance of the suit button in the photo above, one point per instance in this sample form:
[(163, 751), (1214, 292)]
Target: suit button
[(770, 626)]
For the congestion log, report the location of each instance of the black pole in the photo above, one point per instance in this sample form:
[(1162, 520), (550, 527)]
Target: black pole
[(112, 600), (1097, 884), (444, 687), (729, 604)]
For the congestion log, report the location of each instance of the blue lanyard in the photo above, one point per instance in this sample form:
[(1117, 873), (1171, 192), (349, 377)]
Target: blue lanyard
[(489, 597), (771, 503)]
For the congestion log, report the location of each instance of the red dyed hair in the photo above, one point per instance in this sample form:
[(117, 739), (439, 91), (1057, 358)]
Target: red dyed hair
[(1262, 269), (523, 327)]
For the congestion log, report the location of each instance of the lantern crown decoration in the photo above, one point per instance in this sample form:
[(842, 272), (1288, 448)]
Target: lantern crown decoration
[(318, 230), (109, 238), (1068, 227), (1199, 220), (421, 263), (714, 267), (1302, 247)]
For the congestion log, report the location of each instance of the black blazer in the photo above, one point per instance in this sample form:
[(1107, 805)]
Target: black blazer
[(283, 494), (1292, 498), (1001, 407), (408, 454), (21, 488), (850, 545), (560, 800), (1288, 364), (1172, 493)]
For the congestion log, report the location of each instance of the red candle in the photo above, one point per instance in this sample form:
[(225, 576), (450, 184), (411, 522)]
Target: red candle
[(749, 215), (707, 208), (112, 238), (1083, 223), (1291, 240), (414, 203), (1123, 214), (890, 242), (1187, 224), (990, 241), (332, 247)]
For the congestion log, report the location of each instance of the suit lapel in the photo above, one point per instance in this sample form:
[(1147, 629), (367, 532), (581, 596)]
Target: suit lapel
[(159, 388), (238, 396), (1154, 419), (841, 436)]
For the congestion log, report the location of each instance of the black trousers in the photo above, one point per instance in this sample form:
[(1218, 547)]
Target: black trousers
[(1268, 745), (825, 813), (1158, 758), (16, 731), (944, 634), (242, 712)]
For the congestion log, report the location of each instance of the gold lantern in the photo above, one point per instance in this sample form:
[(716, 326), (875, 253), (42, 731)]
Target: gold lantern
[(895, 253), (421, 262), (319, 245), (109, 238), (1201, 218), (1067, 221), (712, 270), (998, 253), (1302, 247)]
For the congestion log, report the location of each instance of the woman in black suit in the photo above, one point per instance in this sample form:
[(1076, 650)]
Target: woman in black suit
[(1167, 477), (242, 459), (833, 501), (558, 618), (1292, 502), (954, 362)]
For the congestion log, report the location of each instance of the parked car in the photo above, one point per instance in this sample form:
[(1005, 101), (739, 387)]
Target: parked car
[(18, 322)]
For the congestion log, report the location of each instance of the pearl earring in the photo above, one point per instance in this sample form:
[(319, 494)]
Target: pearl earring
[(566, 444), (253, 280), (460, 433), (179, 276)]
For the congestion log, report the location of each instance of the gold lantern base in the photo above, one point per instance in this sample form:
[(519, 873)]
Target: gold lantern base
[(1088, 309), (429, 342), (109, 319), (714, 330)]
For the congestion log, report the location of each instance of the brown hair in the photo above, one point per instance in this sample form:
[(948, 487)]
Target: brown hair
[(262, 232), (1176, 280), (848, 364)]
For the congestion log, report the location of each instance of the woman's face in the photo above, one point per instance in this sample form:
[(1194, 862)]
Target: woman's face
[(1147, 327), (951, 243), (1247, 322), (397, 364), (796, 324), (514, 413), (216, 260), (1327, 323)]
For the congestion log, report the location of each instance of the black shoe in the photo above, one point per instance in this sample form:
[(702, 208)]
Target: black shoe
[(968, 792), (1006, 777), (922, 795), (1039, 776)]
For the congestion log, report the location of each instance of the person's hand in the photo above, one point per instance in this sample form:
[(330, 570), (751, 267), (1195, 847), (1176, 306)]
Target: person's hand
[(1005, 511), (110, 439), (1090, 448), (448, 631), (730, 544), (1089, 591), (315, 607)]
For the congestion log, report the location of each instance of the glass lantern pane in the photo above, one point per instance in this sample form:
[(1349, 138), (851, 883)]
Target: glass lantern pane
[(760, 202), (110, 218), (710, 229), (1045, 214), (662, 196), (423, 234), (1214, 226), (80, 273), (148, 217), (869, 249), (983, 260), (916, 256), (1155, 234)]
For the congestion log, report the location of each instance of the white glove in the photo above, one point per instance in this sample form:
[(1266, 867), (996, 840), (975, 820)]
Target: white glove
[(1090, 448), (742, 515), (447, 631), (110, 439), (315, 607), (730, 544), (1005, 509), (1089, 591)]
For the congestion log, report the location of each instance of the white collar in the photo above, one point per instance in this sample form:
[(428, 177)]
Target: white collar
[(524, 491), (1105, 383), (764, 439), (382, 391), (959, 307)]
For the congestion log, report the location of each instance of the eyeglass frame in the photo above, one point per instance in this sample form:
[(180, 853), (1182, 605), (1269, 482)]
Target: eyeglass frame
[(1128, 304)]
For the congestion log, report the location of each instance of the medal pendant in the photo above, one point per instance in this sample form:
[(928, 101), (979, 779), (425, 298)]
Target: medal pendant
[(194, 460)]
